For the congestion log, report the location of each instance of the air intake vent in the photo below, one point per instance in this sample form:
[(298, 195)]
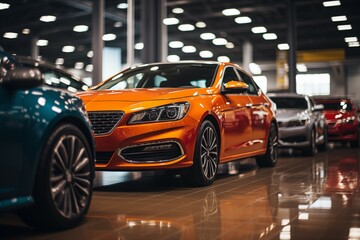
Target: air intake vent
[(103, 157), (104, 122)]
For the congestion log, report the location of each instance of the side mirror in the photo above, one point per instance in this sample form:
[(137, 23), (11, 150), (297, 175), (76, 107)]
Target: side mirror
[(318, 107), (235, 87), (22, 78)]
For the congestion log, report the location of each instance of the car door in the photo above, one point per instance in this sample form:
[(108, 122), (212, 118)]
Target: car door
[(259, 111), (237, 119)]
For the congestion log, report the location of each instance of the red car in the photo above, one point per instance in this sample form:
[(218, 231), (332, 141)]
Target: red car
[(342, 121)]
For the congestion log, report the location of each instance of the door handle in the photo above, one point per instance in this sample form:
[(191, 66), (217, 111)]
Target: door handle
[(248, 105)]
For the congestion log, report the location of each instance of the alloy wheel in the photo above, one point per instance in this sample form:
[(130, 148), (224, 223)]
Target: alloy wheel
[(209, 153)]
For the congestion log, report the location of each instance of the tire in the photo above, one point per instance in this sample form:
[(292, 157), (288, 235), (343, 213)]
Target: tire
[(206, 157), (63, 182), (324, 145), (356, 143), (270, 157), (311, 150)]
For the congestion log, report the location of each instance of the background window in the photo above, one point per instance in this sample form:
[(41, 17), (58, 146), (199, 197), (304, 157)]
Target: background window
[(313, 84)]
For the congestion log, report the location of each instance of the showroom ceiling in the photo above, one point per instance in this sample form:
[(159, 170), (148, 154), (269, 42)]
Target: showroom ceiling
[(315, 29)]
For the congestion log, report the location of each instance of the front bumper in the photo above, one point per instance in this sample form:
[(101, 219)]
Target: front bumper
[(295, 137), (342, 132)]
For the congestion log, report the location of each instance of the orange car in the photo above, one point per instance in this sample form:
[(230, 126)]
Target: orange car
[(190, 115)]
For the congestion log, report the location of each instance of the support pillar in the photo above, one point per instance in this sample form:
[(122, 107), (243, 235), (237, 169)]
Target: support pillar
[(34, 48), (247, 55), (292, 35), (97, 42), (130, 43)]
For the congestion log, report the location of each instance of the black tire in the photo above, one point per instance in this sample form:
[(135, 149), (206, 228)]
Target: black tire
[(271, 155), (311, 150), (356, 143), (63, 183), (324, 146), (206, 157)]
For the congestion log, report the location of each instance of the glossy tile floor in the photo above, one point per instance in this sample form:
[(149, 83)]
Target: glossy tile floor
[(301, 198)]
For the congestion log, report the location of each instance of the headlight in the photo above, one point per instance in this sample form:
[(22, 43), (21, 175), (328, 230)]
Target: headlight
[(171, 112), (299, 122)]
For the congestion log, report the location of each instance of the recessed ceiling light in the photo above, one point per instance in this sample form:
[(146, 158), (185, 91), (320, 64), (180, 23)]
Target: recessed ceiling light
[(89, 68), (331, 3), (171, 21), (79, 65), (178, 10), (301, 67), (255, 68), (90, 54), (48, 18), (229, 45), (283, 46), (80, 28), (173, 58), (118, 24), (338, 18), (139, 46), (176, 44), (206, 54), (59, 61), (26, 31), (354, 44), (269, 36), (68, 49), (188, 49), (351, 39), (109, 37), (186, 27), (223, 59), (122, 6), (200, 25), (260, 29), (207, 36), (4, 6), (344, 27), (219, 41), (242, 20), (42, 42), (231, 12), (10, 35)]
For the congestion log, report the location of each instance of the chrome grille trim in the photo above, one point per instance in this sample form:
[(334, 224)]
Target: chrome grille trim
[(104, 122)]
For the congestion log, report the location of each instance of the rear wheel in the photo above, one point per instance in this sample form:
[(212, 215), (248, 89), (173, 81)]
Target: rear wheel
[(270, 157), (356, 143), (63, 184), (206, 157)]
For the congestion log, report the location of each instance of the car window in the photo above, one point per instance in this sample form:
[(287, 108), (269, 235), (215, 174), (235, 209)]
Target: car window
[(341, 105), (229, 75), (290, 102), (253, 89)]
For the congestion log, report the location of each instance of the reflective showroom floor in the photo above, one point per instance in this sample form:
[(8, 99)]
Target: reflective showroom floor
[(301, 198)]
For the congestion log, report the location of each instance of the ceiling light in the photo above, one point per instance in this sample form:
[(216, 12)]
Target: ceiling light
[(344, 27), (186, 27), (10, 35), (48, 18), (339, 18), (79, 65), (173, 58), (68, 49), (353, 44), (219, 41), (231, 12), (171, 21), (80, 28), (4, 6), (139, 46), (207, 36), (176, 44), (26, 31), (42, 42), (283, 46), (206, 54), (223, 59), (122, 6), (89, 68), (118, 24), (90, 54), (188, 49), (242, 20), (59, 61), (109, 37), (301, 67), (178, 10), (229, 45), (254, 68), (269, 36), (200, 25), (331, 3), (351, 39), (259, 29)]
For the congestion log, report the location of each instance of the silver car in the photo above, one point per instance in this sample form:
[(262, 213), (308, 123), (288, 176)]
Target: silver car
[(301, 122)]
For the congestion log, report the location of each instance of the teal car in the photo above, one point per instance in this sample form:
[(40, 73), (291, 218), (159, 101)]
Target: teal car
[(46, 150)]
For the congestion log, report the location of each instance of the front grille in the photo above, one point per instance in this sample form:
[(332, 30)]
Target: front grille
[(104, 122), (296, 139), (103, 157), (155, 152)]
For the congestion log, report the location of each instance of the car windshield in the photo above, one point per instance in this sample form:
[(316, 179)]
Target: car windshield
[(342, 105), (290, 102), (184, 75)]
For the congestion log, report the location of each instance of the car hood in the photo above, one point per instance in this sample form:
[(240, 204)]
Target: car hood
[(290, 114)]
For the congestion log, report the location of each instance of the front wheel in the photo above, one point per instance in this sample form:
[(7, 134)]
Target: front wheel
[(64, 180), (270, 157), (206, 157)]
